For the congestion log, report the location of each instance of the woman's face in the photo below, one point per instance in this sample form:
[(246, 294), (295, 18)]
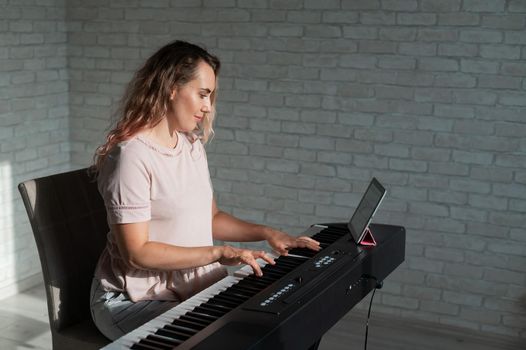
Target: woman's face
[(190, 102)]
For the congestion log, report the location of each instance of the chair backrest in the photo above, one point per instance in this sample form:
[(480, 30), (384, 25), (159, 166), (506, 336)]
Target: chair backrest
[(68, 218)]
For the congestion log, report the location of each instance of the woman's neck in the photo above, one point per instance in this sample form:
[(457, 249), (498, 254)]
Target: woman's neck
[(162, 134)]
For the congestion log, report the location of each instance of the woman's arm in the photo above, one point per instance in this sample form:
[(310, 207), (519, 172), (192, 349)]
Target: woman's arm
[(138, 252), (226, 227)]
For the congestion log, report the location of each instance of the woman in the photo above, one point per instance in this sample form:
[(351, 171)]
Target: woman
[(153, 176)]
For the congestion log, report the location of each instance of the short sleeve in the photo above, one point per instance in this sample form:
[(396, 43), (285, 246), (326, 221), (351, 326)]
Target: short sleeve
[(124, 183)]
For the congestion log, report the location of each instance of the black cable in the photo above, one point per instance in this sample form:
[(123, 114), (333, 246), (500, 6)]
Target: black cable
[(368, 316), (377, 285)]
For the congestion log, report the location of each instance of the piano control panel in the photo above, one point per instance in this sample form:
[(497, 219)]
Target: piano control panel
[(279, 294), (323, 261), (295, 286)]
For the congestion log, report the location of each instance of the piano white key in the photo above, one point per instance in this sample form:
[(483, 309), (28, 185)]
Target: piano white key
[(126, 341)]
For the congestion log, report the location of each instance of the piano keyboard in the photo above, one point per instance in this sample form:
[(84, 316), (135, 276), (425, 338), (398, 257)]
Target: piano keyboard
[(246, 293)]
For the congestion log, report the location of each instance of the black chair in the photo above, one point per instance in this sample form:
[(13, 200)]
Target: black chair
[(68, 219)]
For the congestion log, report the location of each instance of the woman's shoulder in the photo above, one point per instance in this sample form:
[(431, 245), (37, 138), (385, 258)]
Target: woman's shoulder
[(131, 147)]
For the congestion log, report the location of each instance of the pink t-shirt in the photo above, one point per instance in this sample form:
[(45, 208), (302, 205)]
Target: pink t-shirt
[(169, 187)]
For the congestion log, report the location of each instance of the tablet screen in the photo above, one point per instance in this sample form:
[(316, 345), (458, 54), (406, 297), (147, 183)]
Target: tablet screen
[(366, 208)]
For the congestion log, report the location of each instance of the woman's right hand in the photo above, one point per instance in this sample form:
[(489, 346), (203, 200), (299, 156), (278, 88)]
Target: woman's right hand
[(235, 256)]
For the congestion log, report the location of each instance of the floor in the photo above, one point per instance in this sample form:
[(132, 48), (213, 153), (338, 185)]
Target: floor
[(24, 325)]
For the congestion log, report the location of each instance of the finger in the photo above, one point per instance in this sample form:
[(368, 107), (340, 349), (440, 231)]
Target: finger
[(256, 268), (263, 255), (309, 243), (268, 259)]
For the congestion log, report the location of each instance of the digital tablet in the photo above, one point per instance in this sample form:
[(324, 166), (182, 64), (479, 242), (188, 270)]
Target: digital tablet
[(363, 214)]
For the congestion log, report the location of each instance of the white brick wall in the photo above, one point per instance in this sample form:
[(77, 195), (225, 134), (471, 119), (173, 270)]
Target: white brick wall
[(34, 131), (315, 98)]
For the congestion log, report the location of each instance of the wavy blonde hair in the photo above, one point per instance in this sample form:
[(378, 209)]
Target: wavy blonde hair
[(147, 98)]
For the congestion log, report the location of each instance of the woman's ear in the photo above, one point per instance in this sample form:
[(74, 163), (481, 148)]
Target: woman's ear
[(172, 95)]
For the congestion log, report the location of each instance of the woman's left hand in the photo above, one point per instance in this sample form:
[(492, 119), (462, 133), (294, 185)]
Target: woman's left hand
[(282, 242)]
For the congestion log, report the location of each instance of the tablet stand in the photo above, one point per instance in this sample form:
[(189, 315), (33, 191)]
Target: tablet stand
[(368, 239)]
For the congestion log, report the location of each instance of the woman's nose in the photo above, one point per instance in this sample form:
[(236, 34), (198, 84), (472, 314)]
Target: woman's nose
[(206, 107)]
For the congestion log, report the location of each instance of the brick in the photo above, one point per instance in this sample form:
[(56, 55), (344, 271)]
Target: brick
[(491, 174), (478, 66), (441, 6), (399, 5), (510, 190), (322, 31), (437, 35), (331, 212), (484, 5), (513, 99), (500, 51), (397, 34), (436, 95), (341, 16), (320, 116), (433, 123), (304, 16), (469, 214), (338, 45), (401, 151), (510, 160), (332, 184), (321, 143), (418, 49), (298, 128), (481, 36), (506, 21), (477, 97), (416, 19), (461, 299), (375, 18), (301, 155), (499, 82), (438, 64), (421, 293), (377, 46), (286, 30), (440, 307), (334, 157), (512, 68)]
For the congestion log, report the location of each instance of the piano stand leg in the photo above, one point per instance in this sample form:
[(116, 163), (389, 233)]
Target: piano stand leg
[(315, 345)]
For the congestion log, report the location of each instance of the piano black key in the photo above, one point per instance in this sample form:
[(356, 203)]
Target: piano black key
[(219, 308), (188, 324), (245, 291), (268, 270), (296, 261), (229, 298), (162, 340), (179, 329), (203, 316), (303, 252), (265, 279), (172, 334), (222, 303), (208, 311), (155, 344), (194, 319), (221, 299), (252, 284), (141, 346), (234, 294)]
